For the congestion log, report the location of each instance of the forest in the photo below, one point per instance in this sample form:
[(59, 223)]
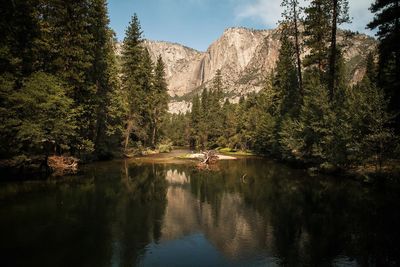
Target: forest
[(64, 91)]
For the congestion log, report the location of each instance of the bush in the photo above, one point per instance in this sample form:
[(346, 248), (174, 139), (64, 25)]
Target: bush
[(165, 147)]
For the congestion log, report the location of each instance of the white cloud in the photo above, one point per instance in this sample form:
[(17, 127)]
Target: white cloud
[(268, 12)]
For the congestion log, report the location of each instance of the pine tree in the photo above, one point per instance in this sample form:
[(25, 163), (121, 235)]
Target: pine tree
[(145, 98), (339, 15), (56, 122), (218, 85), (370, 138), (8, 121), (214, 110), (195, 119), (72, 58), (316, 31), (103, 74), (387, 21), (229, 124), (286, 80), (291, 23), (132, 53), (159, 100), (19, 34), (316, 120), (338, 150), (204, 125), (371, 68)]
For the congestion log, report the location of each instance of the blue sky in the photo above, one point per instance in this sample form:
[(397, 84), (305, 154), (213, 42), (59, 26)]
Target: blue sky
[(197, 23)]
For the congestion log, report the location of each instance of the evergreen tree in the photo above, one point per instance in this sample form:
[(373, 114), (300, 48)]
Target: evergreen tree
[(145, 98), (56, 122), (338, 150), (132, 53), (204, 125), (370, 140), (8, 121), (228, 125), (371, 68), (339, 15), (103, 74), (286, 79), (291, 22), (71, 57), (195, 119), (214, 110), (316, 32), (316, 120), (19, 35), (159, 100), (387, 21)]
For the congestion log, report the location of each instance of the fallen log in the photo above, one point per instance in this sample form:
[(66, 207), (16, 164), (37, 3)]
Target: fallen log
[(210, 158), (62, 165)]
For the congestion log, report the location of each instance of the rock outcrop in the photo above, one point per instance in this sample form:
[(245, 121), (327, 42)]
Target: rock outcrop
[(245, 57)]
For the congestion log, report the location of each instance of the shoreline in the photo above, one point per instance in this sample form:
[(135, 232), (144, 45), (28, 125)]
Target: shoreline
[(180, 155)]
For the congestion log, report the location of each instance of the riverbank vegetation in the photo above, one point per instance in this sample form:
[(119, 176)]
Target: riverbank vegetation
[(65, 91), (308, 112)]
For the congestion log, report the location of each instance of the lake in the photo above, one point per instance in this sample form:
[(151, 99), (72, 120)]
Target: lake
[(246, 212)]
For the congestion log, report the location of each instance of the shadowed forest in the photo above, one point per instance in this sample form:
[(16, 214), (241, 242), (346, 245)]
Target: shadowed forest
[(96, 169), (65, 92)]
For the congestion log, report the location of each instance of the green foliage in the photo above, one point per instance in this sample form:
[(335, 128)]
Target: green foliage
[(386, 20), (158, 102), (63, 91), (176, 128), (316, 31), (50, 45), (132, 57), (290, 138), (316, 119), (371, 139), (286, 80), (165, 146), (145, 88), (45, 114)]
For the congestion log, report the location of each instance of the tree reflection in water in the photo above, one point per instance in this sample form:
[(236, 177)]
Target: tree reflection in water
[(285, 215), (251, 212)]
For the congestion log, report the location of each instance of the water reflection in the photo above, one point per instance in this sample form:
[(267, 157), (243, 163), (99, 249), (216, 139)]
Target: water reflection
[(229, 225), (250, 213)]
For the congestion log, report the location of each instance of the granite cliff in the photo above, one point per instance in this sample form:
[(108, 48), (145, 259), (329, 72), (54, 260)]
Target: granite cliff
[(245, 57)]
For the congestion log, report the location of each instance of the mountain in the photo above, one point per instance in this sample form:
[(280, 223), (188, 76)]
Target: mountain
[(245, 57)]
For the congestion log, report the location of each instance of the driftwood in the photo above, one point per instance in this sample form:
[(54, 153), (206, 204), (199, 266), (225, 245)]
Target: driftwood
[(61, 165), (210, 158)]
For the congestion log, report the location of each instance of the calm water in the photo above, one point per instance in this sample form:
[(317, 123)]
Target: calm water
[(252, 212)]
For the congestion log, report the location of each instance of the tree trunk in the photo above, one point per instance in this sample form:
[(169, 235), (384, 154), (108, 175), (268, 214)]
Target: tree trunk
[(128, 131), (296, 30), (153, 137), (332, 63)]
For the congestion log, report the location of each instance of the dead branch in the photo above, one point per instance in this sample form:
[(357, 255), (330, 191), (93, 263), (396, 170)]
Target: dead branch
[(62, 165), (210, 158)]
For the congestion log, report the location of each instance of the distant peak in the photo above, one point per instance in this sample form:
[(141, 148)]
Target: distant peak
[(243, 29), (170, 43)]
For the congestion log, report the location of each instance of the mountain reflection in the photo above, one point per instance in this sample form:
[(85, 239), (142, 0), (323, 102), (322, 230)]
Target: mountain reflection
[(280, 215), (231, 227), (249, 213)]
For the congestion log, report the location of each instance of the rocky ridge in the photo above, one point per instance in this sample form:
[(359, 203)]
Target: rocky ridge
[(245, 57)]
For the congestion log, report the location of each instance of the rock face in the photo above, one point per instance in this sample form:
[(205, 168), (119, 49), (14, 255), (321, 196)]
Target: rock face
[(182, 65), (244, 57)]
